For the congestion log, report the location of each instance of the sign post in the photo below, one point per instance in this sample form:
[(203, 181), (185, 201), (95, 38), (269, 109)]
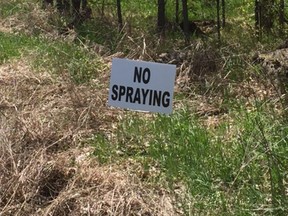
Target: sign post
[(140, 85)]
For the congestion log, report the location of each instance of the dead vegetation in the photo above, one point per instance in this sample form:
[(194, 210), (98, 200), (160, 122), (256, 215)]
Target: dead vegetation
[(44, 168), (32, 20)]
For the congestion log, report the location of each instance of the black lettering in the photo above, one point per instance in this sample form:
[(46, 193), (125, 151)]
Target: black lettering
[(122, 91), (114, 92), (144, 93), (141, 96), (137, 75), (146, 78), (157, 98), (166, 102), (137, 96), (129, 94), (150, 97)]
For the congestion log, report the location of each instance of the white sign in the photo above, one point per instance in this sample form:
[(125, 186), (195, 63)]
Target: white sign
[(140, 85)]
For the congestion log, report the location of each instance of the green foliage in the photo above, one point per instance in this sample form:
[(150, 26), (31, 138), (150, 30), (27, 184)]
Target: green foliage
[(236, 168), (104, 151), (64, 57), (179, 140), (59, 57), (100, 32), (13, 45), (11, 7)]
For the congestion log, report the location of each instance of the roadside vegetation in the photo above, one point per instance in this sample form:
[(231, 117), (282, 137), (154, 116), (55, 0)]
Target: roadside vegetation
[(63, 151)]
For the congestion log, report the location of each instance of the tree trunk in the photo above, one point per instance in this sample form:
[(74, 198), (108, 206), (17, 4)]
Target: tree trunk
[(76, 7), (223, 14), (119, 14), (161, 15), (102, 8), (177, 11), (185, 19), (257, 11), (59, 5), (281, 15), (267, 16), (218, 19), (84, 5), (66, 5)]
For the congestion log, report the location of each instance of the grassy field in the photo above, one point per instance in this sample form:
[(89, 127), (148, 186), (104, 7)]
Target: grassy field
[(63, 151)]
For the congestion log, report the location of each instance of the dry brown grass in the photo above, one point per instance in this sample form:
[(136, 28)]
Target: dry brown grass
[(32, 20), (44, 168)]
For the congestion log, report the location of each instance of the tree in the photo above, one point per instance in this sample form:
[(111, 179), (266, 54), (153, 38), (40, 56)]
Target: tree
[(84, 4), (281, 15), (218, 19), (223, 14), (267, 14), (185, 19), (119, 15), (257, 17), (177, 11), (76, 7), (161, 15)]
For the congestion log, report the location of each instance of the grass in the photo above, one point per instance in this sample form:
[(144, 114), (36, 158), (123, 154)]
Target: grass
[(10, 8), (58, 57), (11, 46), (238, 168), (231, 162), (80, 64)]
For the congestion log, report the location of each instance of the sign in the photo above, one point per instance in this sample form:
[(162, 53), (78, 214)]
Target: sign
[(140, 85)]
